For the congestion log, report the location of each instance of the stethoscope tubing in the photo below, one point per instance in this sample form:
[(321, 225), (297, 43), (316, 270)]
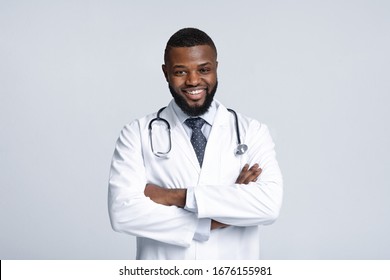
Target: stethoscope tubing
[(241, 148)]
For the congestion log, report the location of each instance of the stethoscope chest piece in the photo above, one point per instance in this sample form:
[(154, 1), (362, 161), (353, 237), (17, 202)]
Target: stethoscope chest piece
[(241, 149)]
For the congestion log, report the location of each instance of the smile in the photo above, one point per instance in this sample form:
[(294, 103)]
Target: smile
[(194, 92)]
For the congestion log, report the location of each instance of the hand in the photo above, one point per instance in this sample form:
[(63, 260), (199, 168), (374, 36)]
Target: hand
[(164, 196), (216, 225), (248, 175)]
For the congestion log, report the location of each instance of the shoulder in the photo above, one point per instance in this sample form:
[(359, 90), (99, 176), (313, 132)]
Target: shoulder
[(143, 124), (245, 123), (134, 127), (251, 123), (142, 121)]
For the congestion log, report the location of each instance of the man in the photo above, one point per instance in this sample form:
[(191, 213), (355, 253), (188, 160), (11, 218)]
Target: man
[(186, 194)]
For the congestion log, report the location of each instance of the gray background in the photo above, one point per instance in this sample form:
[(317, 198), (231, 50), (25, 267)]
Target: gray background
[(72, 73)]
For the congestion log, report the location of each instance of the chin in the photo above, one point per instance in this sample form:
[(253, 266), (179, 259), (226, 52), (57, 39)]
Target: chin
[(195, 109), (198, 103)]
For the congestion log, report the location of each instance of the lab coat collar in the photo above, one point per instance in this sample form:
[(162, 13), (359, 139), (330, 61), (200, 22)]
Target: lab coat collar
[(208, 116), (217, 114), (180, 138)]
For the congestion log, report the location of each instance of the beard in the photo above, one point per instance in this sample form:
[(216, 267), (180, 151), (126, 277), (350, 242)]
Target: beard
[(194, 111)]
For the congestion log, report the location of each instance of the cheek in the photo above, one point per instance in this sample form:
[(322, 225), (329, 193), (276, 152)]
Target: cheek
[(212, 80), (176, 82)]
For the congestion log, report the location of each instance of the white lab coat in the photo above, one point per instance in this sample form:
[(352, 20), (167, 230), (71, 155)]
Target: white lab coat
[(167, 232)]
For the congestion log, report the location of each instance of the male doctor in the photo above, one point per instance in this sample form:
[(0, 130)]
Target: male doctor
[(186, 193)]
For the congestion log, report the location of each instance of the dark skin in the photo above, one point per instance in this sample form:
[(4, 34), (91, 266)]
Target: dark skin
[(192, 73)]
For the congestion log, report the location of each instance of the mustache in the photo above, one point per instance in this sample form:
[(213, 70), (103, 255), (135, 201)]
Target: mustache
[(194, 111)]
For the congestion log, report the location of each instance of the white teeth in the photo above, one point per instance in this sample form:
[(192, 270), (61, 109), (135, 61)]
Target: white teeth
[(193, 92)]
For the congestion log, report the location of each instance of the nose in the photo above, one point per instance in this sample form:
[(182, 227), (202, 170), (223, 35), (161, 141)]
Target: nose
[(193, 78)]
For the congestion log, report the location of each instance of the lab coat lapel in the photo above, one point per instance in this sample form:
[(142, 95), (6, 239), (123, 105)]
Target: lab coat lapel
[(180, 139), (219, 132)]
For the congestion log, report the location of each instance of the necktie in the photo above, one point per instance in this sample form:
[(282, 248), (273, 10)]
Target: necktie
[(198, 140)]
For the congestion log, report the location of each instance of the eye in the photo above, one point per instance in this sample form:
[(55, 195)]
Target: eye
[(204, 70), (180, 73)]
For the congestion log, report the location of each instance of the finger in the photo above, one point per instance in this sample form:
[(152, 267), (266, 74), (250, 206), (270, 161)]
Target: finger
[(242, 174), (245, 168), (246, 176), (252, 174), (254, 167), (258, 172)]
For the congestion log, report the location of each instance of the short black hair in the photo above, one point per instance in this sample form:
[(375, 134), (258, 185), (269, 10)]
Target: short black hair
[(188, 37)]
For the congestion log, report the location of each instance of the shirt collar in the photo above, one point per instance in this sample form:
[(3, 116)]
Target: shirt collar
[(208, 116)]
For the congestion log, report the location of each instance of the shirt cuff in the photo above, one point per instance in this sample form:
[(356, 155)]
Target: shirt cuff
[(191, 201), (202, 232)]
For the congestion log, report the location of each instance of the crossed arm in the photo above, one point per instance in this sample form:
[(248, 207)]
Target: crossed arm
[(177, 197)]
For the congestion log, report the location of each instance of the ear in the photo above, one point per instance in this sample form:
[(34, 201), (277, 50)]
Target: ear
[(165, 71), (216, 65)]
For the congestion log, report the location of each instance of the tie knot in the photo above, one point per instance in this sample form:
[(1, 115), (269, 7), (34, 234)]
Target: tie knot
[(195, 123)]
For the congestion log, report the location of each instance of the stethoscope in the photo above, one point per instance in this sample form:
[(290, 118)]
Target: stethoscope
[(240, 149)]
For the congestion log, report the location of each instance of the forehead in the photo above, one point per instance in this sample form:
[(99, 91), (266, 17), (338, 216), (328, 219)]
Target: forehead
[(191, 55)]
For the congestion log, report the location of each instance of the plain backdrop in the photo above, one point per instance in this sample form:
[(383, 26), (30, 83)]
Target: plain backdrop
[(73, 73)]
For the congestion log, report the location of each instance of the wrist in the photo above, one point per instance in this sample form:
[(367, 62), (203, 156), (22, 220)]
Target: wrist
[(178, 197)]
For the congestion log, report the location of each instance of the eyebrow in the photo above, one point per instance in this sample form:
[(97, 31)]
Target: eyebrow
[(200, 65)]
